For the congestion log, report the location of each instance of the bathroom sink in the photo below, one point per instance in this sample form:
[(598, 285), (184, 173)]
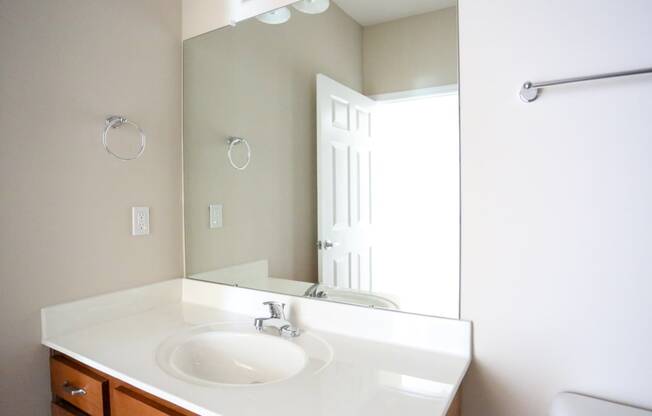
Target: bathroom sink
[(235, 354), (359, 298)]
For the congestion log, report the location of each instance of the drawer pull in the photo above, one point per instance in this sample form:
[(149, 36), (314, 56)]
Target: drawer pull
[(72, 390)]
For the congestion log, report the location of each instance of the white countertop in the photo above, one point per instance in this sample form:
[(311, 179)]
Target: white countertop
[(365, 377), (573, 404)]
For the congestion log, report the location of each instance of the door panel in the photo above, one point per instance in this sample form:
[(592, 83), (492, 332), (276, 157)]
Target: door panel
[(344, 159)]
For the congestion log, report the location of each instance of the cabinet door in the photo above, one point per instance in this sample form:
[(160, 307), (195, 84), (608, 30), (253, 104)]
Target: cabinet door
[(126, 402)]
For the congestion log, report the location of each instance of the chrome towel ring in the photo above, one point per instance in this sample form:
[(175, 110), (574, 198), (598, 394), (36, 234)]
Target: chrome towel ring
[(114, 122), (234, 141)]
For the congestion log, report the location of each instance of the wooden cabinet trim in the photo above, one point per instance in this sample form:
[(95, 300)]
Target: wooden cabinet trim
[(456, 406)]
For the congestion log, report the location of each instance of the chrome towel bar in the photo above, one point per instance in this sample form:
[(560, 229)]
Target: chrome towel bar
[(530, 90)]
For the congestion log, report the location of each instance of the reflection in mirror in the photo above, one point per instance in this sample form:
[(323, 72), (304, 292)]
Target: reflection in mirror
[(345, 120)]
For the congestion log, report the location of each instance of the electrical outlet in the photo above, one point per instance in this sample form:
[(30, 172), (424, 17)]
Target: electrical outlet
[(215, 216), (140, 221)]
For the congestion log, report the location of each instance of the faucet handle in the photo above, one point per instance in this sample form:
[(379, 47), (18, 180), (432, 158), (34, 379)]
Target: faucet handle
[(276, 309), (289, 331)]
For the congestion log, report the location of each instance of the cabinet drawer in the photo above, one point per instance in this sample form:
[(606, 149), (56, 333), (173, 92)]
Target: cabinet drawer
[(127, 402), (79, 386), (64, 409)]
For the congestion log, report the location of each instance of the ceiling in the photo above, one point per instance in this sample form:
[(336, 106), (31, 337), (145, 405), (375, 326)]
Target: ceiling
[(371, 12)]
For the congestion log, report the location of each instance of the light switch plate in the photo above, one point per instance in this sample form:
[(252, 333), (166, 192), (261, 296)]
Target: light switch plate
[(140, 221), (215, 216)]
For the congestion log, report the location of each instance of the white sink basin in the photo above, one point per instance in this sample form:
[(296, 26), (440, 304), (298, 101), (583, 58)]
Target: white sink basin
[(235, 354), (359, 298)]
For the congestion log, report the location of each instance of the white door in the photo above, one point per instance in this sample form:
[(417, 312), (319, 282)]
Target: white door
[(344, 165)]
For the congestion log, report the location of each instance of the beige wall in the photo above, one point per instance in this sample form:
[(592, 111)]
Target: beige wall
[(201, 16), (411, 53), (65, 203), (556, 202), (258, 81)]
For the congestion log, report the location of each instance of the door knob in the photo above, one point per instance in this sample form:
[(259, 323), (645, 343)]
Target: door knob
[(328, 244)]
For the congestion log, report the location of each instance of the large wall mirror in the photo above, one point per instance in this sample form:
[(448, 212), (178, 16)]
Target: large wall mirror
[(321, 154)]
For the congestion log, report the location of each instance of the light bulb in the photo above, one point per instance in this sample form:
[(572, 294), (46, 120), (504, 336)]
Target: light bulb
[(312, 6), (275, 17)]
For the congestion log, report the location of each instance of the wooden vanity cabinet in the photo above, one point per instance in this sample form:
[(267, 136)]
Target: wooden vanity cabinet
[(79, 390)]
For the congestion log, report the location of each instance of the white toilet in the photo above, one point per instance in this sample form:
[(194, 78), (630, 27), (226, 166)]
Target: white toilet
[(571, 404)]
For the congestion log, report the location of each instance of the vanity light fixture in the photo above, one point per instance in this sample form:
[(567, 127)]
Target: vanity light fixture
[(312, 6), (275, 17)]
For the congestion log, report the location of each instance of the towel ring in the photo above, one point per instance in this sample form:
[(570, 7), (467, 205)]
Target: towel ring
[(114, 122), (233, 141)]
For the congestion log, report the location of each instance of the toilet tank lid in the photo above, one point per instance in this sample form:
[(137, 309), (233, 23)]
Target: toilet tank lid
[(571, 404)]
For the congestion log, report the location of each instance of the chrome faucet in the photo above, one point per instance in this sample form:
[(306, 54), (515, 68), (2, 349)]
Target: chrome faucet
[(276, 320), (314, 291)]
